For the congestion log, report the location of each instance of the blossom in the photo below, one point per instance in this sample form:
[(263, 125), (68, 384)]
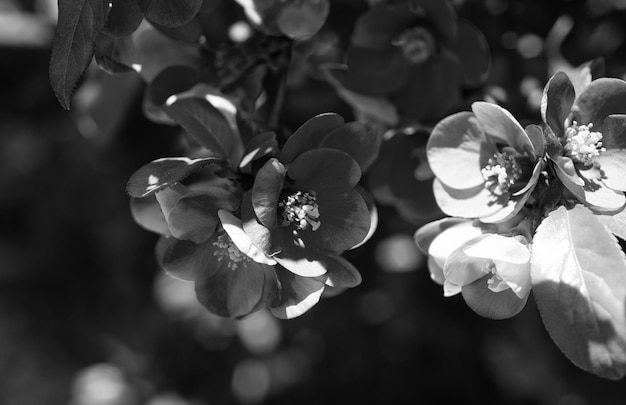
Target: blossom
[(405, 50), (488, 264), (485, 164), (586, 127), (305, 205)]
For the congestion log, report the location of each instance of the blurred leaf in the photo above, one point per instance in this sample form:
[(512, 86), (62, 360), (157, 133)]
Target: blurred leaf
[(472, 50), (80, 23), (124, 18), (203, 122), (579, 282), (171, 13), (162, 173), (115, 55)]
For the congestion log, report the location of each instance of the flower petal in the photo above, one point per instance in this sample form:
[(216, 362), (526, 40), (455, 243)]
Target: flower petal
[(613, 165), (501, 125), (268, 185), (344, 221), (299, 294), (453, 233), (359, 140), (440, 78), (309, 135), (471, 47), (556, 103), (373, 211), (341, 273), (234, 228), (493, 305), (535, 134), (324, 168), (184, 259), (613, 131), (300, 260), (260, 236), (511, 258), (454, 151), (147, 213), (461, 269), (476, 202), (377, 27), (440, 14), (599, 99), (236, 291), (374, 72)]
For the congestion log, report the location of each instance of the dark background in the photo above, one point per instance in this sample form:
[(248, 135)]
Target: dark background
[(86, 317)]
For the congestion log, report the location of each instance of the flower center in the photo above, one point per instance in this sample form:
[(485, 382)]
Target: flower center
[(501, 172), (226, 249), (417, 44), (301, 209), (582, 144), (495, 282)]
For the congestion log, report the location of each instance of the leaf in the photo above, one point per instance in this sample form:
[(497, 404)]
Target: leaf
[(578, 274), (172, 13), (80, 23), (163, 173), (203, 122)]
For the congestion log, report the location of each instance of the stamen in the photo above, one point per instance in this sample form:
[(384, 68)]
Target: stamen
[(300, 209), (417, 44), (495, 282), (582, 144), (225, 248), (501, 172)]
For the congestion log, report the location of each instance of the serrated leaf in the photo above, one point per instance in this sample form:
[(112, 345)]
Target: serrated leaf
[(203, 122), (80, 23), (578, 274), (163, 173)]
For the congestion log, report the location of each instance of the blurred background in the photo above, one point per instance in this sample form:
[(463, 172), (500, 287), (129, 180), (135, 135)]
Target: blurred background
[(87, 318)]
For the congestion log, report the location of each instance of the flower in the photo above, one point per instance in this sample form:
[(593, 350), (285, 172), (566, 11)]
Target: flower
[(485, 164), (303, 206), (488, 264), (403, 51), (587, 133)]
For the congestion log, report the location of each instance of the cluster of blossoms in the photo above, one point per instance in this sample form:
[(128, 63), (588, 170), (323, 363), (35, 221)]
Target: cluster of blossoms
[(265, 227), (499, 182)]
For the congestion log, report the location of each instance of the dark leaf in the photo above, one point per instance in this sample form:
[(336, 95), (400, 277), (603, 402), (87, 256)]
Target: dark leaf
[(80, 23)]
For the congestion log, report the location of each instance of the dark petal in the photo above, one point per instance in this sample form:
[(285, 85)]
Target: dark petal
[(613, 131), (341, 273), (502, 126), (377, 27), (374, 72), (440, 14), (556, 103), (472, 51), (373, 211), (359, 140), (602, 97), (344, 218), (268, 185), (323, 168), (432, 90), (236, 291), (261, 237), (298, 295), (535, 134), (184, 259), (309, 135), (147, 213), (299, 258), (124, 18), (493, 305)]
